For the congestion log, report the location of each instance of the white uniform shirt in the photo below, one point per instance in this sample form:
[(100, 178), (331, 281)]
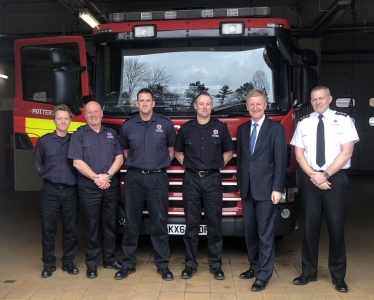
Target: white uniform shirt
[(339, 129)]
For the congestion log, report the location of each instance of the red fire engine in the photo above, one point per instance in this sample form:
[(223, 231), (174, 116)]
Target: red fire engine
[(177, 54)]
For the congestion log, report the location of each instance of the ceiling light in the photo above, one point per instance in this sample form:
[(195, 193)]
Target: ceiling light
[(88, 18), (3, 76)]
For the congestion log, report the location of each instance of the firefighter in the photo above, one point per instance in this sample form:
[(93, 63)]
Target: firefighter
[(148, 142), (97, 156), (58, 192), (203, 147)]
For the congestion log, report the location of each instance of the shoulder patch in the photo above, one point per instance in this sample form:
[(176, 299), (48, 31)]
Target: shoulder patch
[(302, 118), (164, 117), (339, 113)]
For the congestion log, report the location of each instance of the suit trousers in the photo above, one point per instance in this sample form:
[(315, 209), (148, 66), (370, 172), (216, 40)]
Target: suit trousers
[(151, 189), (198, 193), (259, 229), (53, 198), (98, 205), (333, 203)]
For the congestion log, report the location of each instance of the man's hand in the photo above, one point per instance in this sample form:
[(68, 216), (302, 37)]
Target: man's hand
[(102, 181), (325, 186), (275, 197), (317, 178)]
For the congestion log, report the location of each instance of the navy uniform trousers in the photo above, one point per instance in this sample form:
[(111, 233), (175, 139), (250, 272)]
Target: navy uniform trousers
[(152, 189), (197, 193), (98, 205), (333, 203), (54, 197)]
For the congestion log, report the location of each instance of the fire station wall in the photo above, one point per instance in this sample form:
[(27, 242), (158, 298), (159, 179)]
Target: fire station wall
[(352, 75)]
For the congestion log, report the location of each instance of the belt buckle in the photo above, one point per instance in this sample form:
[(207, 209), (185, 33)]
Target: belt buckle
[(200, 173), (145, 171)]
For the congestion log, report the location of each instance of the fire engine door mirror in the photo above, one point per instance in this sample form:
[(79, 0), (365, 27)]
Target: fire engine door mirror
[(269, 58), (284, 50)]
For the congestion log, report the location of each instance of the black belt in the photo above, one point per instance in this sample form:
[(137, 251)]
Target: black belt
[(147, 171), (202, 173), (60, 185)]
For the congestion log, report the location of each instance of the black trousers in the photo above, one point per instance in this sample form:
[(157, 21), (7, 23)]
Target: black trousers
[(53, 198), (333, 203), (259, 227), (98, 205), (198, 192), (151, 189)]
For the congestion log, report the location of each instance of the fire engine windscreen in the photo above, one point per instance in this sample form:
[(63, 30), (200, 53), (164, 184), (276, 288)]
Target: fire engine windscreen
[(176, 77)]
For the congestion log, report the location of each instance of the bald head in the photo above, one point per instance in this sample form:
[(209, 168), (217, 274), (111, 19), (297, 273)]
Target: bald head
[(93, 114)]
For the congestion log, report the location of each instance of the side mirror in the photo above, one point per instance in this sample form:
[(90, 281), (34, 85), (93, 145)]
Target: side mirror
[(269, 58)]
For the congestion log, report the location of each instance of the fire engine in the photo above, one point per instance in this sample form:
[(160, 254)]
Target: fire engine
[(177, 54)]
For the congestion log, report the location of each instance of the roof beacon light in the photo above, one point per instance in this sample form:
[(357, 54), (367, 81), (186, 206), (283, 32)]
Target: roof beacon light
[(171, 14), (144, 31), (207, 13), (232, 12), (232, 28), (146, 16), (119, 17)]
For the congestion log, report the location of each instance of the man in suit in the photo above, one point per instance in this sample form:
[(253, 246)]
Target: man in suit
[(261, 167)]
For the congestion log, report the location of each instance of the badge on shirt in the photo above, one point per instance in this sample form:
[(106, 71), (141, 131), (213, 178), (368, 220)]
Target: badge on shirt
[(159, 128), (109, 135), (215, 133), (335, 123)]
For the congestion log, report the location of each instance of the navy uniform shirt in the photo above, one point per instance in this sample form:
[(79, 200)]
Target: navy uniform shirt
[(51, 155), (97, 150), (147, 143), (203, 145)]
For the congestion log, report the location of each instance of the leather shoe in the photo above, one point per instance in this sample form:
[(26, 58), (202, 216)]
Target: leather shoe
[(114, 265), (70, 268), (123, 273), (304, 279), (166, 274), (47, 271), (188, 272), (340, 285), (91, 272), (247, 274), (259, 285), (218, 273)]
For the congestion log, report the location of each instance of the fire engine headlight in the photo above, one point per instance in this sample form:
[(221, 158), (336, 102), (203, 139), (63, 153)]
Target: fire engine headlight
[(232, 29), (285, 213), (144, 31)]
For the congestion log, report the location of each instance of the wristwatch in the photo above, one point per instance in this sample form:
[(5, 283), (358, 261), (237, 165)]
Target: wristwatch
[(327, 175), (109, 176)]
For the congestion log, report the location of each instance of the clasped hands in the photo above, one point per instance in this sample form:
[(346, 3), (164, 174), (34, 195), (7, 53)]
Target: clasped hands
[(102, 181), (320, 181)]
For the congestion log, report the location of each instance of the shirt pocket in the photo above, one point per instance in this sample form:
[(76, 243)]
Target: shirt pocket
[(307, 138), (89, 149), (216, 156), (188, 146), (50, 157), (159, 140), (134, 141), (111, 146)]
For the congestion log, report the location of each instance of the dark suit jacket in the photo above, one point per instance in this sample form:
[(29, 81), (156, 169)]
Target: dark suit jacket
[(265, 170)]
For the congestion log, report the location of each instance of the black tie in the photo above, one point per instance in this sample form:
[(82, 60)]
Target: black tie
[(320, 142)]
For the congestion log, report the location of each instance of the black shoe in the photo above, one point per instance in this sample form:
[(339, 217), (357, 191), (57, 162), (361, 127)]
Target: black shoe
[(114, 265), (123, 273), (218, 273), (188, 272), (340, 285), (91, 272), (259, 285), (247, 274), (166, 274), (47, 271), (304, 279), (70, 268)]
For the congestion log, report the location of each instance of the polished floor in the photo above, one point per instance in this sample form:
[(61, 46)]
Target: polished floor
[(21, 265)]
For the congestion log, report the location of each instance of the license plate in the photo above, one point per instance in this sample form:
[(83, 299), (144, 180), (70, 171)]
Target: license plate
[(179, 229)]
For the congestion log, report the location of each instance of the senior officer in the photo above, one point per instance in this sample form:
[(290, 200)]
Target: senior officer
[(324, 142), (148, 145), (262, 164), (58, 192), (97, 155), (203, 147)]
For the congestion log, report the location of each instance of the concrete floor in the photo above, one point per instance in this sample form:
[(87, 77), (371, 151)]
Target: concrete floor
[(21, 265)]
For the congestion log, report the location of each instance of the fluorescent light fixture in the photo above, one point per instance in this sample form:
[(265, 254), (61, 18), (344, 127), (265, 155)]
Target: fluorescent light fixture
[(3, 76), (88, 18)]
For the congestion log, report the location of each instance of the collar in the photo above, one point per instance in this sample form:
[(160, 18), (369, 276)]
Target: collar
[(325, 114), (259, 123), (195, 123), (138, 119)]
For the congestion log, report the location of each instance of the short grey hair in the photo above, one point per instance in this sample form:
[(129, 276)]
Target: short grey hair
[(321, 87)]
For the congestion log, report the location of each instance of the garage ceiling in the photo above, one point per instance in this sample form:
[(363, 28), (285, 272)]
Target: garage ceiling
[(307, 17)]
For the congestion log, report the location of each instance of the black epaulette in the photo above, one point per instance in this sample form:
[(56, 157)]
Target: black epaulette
[(218, 120), (339, 113), (79, 127), (302, 118), (164, 117)]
